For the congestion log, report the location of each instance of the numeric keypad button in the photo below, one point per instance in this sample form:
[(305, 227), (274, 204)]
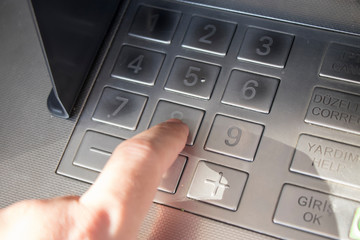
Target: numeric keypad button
[(234, 137), (209, 35), (119, 108), (155, 24), (138, 65), (191, 116), (250, 91), (192, 78), (266, 47), (217, 185)]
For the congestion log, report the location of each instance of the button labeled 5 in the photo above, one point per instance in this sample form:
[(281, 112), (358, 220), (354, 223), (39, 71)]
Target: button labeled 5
[(192, 78), (234, 137)]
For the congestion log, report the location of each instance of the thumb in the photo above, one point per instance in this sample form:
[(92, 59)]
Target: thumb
[(127, 185)]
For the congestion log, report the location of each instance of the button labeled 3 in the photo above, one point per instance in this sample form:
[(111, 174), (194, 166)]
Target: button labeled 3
[(266, 47)]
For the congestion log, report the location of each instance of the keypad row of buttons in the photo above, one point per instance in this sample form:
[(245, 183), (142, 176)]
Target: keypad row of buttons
[(213, 36), (123, 109), (197, 79)]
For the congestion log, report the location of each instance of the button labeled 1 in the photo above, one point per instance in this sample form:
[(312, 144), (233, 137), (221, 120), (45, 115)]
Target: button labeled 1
[(234, 137), (155, 24), (191, 116), (250, 91), (266, 47)]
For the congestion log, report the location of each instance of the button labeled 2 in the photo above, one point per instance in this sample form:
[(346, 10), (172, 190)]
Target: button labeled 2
[(209, 35)]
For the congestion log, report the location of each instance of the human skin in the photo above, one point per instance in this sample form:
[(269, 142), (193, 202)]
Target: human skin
[(115, 205)]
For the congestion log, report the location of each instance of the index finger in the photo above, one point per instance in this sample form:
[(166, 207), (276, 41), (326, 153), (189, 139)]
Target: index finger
[(127, 185)]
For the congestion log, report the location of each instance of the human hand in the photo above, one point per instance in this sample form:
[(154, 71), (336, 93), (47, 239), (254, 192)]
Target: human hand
[(115, 205)]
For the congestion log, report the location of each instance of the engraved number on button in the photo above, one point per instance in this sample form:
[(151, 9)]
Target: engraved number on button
[(177, 114), (249, 89), (135, 64), (123, 101), (153, 21), (265, 49), (191, 77), (211, 29), (234, 133)]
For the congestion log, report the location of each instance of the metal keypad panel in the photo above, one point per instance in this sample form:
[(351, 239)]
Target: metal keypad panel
[(273, 111)]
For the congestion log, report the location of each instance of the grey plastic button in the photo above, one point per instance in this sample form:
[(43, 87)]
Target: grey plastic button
[(217, 185), (119, 108), (172, 177), (209, 35), (251, 91), (326, 159), (266, 47), (95, 150), (342, 62), (315, 212), (192, 78), (191, 116), (155, 24), (333, 109), (138, 65), (234, 137)]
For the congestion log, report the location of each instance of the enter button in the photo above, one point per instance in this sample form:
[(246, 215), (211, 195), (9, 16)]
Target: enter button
[(315, 212)]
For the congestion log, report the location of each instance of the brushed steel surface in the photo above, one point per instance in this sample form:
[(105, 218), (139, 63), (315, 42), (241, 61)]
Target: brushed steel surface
[(32, 141)]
